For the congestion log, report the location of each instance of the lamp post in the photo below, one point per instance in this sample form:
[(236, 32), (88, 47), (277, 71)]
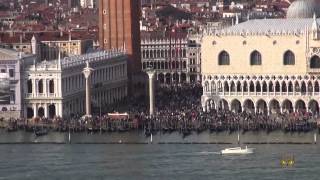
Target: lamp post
[(151, 72)]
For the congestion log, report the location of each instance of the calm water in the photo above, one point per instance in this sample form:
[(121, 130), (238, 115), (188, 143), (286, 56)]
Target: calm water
[(153, 161)]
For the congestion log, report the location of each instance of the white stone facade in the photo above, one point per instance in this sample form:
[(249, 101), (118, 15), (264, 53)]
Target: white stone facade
[(263, 66), (11, 64), (57, 88)]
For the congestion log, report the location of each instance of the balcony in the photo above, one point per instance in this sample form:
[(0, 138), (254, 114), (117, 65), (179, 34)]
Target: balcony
[(41, 95)]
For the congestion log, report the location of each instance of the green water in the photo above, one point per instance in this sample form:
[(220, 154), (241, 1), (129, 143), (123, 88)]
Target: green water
[(154, 161)]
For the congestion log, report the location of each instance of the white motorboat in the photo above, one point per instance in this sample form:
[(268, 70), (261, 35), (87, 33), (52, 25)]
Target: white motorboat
[(237, 150)]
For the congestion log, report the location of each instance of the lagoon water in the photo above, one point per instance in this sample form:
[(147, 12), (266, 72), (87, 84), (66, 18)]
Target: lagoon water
[(154, 161)]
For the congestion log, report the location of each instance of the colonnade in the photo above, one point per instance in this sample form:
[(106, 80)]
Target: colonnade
[(262, 94)]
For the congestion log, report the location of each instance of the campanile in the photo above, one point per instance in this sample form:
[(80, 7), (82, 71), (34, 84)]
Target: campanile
[(119, 27)]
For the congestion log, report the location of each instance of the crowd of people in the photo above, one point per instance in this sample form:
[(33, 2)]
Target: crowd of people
[(178, 108)]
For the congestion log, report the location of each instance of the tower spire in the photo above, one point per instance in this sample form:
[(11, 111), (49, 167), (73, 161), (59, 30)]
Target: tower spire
[(315, 27)]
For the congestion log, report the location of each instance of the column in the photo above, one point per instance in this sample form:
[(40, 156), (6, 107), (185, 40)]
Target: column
[(313, 89), (46, 87), (204, 108), (87, 72), (57, 105), (172, 78), (45, 107), (34, 87), (242, 89), (35, 110), (151, 74)]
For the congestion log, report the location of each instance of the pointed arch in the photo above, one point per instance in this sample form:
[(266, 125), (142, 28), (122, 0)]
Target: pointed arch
[(226, 86), (287, 106), (264, 86), (213, 87), (303, 87), (290, 87), (283, 86), (258, 87), (316, 86), (277, 86), (206, 86), (233, 87), (296, 86), (219, 86), (245, 86), (238, 86), (271, 87), (310, 87), (251, 86)]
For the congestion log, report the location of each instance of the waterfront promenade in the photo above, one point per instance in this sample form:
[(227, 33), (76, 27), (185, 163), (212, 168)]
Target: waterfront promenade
[(179, 115)]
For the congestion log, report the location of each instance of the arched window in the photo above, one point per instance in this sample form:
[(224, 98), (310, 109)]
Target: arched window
[(315, 62), (224, 58), (288, 58), (255, 58)]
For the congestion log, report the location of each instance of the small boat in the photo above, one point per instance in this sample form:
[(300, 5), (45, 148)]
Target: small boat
[(237, 150)]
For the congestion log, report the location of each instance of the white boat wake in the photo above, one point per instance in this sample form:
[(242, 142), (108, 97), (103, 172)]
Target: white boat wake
[(208, 153)]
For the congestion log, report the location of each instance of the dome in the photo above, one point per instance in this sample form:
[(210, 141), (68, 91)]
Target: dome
[(303, 9)]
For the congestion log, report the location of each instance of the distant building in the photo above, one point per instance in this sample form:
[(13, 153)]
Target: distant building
[(176, 60), (88, 3), (46, 45)]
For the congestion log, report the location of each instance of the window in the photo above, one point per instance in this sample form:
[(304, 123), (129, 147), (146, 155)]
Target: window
[(40, 86), (288, 58), (3, 70), (51, 86), (223, 58), (11, 73), (12, 97), (315, 62), (29, 85), (255, 58)]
